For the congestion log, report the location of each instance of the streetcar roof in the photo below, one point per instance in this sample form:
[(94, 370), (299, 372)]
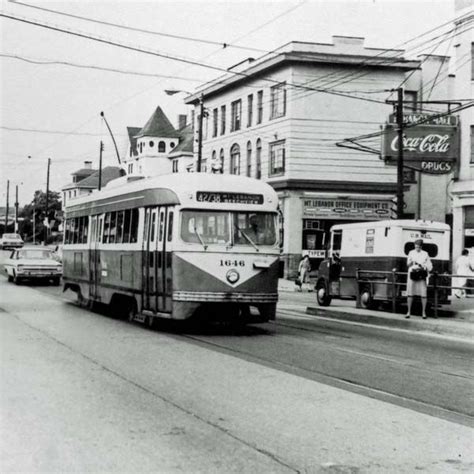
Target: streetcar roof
[(402, 223), (172, 189)]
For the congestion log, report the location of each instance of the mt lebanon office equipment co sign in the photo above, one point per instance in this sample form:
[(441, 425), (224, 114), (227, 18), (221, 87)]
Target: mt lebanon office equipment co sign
[(343, 208), (429, 145)]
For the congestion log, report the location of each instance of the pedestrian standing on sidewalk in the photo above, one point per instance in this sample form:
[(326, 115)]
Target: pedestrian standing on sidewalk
[(463, 268), (419, 265), (303, 271)]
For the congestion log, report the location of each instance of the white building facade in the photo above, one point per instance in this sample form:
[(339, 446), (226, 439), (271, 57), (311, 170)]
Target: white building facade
[(279, 119), (463, 188)]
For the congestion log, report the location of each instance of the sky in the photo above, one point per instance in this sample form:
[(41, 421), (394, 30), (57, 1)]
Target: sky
[(53, 110)]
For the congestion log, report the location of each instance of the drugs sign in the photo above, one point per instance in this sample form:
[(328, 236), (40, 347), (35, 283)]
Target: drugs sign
[(427, 148)]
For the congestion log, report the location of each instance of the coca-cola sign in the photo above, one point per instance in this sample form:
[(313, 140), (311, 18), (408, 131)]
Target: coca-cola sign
[(422, 143)]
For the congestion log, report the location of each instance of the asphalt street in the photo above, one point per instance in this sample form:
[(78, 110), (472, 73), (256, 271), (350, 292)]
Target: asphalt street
[(83, 391)]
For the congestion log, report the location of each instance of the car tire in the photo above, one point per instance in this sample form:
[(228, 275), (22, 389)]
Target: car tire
[(56, 281), (10, 278), (16, 279), (366, 299)]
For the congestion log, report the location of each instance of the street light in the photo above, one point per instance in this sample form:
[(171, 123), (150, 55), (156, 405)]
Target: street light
[(201, 115)]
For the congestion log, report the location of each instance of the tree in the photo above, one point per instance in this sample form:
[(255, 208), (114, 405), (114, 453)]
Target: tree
[(37, 208)]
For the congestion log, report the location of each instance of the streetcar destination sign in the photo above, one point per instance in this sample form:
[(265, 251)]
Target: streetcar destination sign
[(225, 197)]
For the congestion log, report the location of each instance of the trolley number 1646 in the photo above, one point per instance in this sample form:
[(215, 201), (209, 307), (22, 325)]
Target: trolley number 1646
[(232, 263)]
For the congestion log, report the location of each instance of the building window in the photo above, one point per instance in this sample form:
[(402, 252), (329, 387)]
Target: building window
[(141, 147), (130, 168), (152, 144), (258, 160), (236, 115), (223, 120), (277, 158), (221, 159), (278, 101), (161, 147), (215, 122), (259, 107), (249, 110), (249, 158), (175, 166), (235, 159)]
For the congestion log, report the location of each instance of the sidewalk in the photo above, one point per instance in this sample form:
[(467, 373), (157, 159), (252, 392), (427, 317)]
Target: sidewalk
[(455, 320)]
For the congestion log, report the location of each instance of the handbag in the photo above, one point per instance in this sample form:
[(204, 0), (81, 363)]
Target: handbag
[(298, 282), (418, 274)]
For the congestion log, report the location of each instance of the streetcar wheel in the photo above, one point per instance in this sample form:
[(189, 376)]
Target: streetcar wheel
[(322, 296)]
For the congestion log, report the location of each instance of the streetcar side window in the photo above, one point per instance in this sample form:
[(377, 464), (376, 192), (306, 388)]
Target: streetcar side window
[(118, 239), (126, 226), (162, 225), (106, 228), (170, 226), (134, 226)]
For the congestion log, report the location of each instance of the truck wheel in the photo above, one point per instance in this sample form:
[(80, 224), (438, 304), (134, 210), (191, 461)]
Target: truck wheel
[(366, 299), (322, 296)]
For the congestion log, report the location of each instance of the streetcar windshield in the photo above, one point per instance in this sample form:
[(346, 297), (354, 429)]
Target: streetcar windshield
[(206, 227), (213, 227)]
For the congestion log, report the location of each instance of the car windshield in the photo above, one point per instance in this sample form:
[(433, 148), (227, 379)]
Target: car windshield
[(213, 227), (35, 254), (11, 236)]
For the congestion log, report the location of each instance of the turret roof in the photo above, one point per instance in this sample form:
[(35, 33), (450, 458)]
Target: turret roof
[(158, 126)]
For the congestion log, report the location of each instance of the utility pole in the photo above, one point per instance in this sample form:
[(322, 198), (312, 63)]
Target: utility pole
[(8, 203), (34, 226), (400, 202), (201, 120), (100, 164), (16, 208), (47, 202)]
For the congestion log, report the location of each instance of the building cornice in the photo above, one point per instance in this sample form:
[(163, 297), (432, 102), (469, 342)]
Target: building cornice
[(333, 186)]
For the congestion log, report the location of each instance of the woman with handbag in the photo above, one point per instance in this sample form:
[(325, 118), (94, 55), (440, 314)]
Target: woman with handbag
[(419, 265)]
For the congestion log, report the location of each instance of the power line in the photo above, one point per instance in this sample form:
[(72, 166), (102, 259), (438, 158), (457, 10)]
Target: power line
[(100, 68), (140, 30)]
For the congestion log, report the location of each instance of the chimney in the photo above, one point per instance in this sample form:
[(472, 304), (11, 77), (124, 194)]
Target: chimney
[(182, 120), (88, 165)]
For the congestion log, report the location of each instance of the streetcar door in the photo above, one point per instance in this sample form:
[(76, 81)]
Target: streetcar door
[(94, 256), (149, 260), (161, 259), (167, 263)]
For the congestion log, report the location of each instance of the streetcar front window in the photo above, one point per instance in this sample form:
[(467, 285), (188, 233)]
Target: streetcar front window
[(208, 227), (214, 227), (254, 228)]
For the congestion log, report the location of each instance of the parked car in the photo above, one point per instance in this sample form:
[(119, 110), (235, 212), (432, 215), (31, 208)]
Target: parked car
[(33, 263), (11, 241)]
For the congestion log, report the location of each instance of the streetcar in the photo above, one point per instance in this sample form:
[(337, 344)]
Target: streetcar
[(367, 260), (176, 246)]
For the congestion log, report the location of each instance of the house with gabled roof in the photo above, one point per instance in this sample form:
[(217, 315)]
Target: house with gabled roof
[(159, 148), (86, 180)]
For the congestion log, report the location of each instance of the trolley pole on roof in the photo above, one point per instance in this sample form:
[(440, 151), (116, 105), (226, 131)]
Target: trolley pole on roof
[(400, 202)]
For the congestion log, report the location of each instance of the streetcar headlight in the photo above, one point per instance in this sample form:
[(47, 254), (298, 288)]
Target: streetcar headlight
[(232, 276)]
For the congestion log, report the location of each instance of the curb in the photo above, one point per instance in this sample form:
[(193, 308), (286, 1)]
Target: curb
[(436, 326)]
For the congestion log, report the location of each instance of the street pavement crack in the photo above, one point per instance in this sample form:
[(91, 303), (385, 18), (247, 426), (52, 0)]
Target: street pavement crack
[(160, 397)]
